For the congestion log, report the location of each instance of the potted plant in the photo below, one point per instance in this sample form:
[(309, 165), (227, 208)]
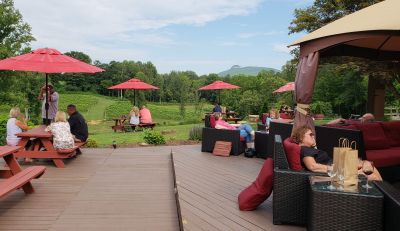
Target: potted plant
[(320, 109)]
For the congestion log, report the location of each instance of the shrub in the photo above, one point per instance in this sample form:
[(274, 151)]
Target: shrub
[(152, 137), (91, 144), (3, 128), (195, 133), (320, 107)]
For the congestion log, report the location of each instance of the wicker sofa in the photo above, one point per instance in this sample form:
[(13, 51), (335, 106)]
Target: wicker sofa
[(291, 189), (211, 135), (391, 205), (380, 143)]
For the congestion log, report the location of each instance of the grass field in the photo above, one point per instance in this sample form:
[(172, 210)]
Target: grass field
[(99, 110)]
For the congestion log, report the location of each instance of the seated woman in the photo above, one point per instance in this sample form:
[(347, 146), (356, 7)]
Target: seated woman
[(145, 115), (15, 124), (134, 114), (273, 114), (62, 136), (246, 131), (313, 159)]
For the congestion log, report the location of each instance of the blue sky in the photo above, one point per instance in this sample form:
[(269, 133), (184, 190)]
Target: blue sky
[(205, 36)]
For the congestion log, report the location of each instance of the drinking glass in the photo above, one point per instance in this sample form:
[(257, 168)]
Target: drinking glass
[(340, 175), (368, 169), (331, 174)]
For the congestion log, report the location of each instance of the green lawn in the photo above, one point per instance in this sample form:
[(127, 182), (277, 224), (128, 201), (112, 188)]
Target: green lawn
[(98, 111)]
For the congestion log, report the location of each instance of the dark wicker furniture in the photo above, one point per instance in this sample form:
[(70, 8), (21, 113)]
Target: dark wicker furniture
[(391, 212), (337, 210), (291, 189), (211, 135), (327, 137), (261, 144)]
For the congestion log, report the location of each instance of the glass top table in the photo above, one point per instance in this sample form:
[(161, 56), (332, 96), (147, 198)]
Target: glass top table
[(320, 183)]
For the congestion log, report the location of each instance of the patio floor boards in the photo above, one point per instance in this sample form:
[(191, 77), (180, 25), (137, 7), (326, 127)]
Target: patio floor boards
[(132, 189), (208, 187)]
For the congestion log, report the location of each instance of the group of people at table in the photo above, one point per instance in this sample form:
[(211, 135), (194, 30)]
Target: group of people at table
[(142, 116), (65, 131), (312, 158)]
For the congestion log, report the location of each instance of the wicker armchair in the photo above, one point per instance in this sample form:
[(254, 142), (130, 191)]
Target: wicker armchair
[(291, 189), (211, 135), (391, 212)]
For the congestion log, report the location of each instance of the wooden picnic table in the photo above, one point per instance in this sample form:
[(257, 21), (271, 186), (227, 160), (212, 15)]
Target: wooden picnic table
[(42, 146), (15, 176), (119, 124), (234, 119)]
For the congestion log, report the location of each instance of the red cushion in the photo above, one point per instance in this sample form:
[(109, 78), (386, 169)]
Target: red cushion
[(353, 121), (386, 157), (292, 154), (284, 116), (392, 132), (212, 121), (259, 190), (374, 137)]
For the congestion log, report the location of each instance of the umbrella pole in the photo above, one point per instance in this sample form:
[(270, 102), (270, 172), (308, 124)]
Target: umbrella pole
[(46, 105), (134, 97)]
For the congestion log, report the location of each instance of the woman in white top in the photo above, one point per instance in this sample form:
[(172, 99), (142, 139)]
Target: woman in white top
[(62, 137), (15, 124), (134, 114)]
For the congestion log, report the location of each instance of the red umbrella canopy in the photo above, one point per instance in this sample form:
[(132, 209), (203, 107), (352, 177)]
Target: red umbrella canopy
[(218, 85), (134, 84), (47, 60), (287, 87)]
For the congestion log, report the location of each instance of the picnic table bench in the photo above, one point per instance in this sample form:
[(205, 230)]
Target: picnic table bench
[(42, 146), (15, 177), (121, 125)]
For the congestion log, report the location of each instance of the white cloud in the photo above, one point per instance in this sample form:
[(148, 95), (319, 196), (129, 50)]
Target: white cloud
[(89, 20), (282, 48)]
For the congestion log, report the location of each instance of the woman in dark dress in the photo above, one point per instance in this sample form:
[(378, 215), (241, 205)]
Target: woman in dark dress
[(314, 159)]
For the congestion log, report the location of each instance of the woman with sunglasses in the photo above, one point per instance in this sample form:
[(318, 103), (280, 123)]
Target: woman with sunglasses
[(316, 160)]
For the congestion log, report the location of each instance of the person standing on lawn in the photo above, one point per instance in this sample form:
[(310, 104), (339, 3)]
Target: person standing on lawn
[(52, 96)]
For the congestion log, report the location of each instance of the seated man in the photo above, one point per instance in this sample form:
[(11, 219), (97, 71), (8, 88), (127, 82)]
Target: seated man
[(217, 108), (77, 123), (246, 131), (145, 115), (366, 118)]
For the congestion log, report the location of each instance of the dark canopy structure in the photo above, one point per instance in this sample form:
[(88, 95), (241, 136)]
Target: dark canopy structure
[(372, 33)]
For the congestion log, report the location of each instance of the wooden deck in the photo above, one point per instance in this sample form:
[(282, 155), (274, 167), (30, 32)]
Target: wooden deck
[(132, 189), (208, 187)]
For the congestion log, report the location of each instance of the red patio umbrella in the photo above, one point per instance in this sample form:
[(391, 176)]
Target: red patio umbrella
[(218, 85), (47, 60), (287, 87), (134, 84)]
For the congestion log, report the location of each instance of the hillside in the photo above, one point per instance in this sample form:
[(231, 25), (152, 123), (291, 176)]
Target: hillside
[(237, 70)]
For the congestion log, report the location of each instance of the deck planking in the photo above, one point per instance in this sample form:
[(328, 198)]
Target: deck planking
[(208, 187), (132, 189)]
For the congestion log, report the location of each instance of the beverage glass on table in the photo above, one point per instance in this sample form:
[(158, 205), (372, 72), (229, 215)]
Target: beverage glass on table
[(368, 169), (331, 174)]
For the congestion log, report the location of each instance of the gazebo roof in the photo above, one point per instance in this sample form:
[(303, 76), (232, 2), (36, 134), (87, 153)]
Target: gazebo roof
[(383, 16)]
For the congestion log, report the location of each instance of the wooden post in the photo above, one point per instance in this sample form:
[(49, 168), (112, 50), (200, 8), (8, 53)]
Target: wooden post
[(376, 97)]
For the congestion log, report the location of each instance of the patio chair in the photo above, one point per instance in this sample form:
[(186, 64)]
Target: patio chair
[(291, 189), (391, 207)]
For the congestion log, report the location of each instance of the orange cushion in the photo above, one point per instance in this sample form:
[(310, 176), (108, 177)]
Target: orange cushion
[(374, 137), (292, 154), (259, 190), (392, 132)]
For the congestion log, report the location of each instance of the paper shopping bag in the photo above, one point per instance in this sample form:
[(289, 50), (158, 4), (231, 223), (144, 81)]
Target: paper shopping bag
[(338, 156), (350, 164)]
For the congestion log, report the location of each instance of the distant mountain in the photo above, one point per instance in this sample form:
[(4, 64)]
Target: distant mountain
[(237, 70)]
